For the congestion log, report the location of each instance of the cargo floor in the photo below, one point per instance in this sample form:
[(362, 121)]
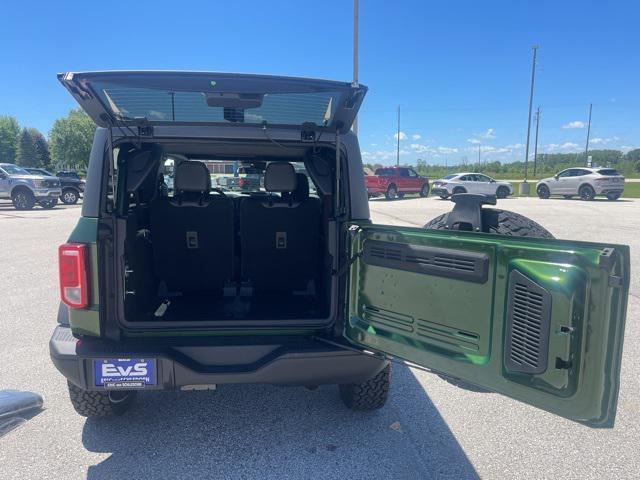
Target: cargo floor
[(202, 307)]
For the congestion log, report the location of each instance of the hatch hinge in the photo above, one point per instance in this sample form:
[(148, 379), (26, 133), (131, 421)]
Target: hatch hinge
[(467, 213), (308, 133), (145, 130)]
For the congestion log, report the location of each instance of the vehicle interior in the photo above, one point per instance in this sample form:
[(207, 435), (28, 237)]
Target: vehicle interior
[(194, 251)]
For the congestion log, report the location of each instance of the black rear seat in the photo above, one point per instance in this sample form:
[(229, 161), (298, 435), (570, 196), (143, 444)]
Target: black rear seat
[(192, 234), (280, 234)]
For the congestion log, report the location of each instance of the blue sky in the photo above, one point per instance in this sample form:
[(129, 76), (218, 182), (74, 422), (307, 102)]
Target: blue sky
[(459, 70)]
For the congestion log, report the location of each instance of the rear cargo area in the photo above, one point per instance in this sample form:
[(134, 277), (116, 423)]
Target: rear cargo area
[(200, 253)]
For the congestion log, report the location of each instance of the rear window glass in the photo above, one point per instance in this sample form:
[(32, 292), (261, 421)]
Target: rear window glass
[(233, 177), (449, 177), (608, 171), (386, 172), (158, 105)]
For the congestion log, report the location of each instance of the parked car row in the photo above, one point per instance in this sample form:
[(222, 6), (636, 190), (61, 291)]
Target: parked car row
[(586, 183), (27, 187)]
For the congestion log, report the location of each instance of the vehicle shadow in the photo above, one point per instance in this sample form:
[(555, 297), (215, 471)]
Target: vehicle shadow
[(256, 431)]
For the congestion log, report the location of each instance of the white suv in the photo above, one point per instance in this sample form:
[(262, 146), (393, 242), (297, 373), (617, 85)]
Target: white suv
[(583, 182), (470, 183)]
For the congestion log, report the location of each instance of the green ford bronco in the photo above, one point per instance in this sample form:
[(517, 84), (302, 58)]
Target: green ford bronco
[(290, 283)]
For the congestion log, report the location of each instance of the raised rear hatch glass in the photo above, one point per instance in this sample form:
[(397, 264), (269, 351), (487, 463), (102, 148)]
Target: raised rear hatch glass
[(166, 98)]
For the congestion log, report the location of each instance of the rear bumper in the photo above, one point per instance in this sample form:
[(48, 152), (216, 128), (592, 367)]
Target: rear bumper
[(609, 189), (195, 363)]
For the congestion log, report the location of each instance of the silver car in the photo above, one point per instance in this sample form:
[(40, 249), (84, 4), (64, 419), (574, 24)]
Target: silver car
[(470, 183), (583, 182)]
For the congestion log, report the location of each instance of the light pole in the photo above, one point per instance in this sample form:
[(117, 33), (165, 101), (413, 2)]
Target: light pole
[(355, 54), (586, 148), (398, 143), (535, 148), (524, 186)]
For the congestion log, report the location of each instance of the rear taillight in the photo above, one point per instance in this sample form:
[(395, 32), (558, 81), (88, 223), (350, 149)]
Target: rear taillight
[(241, 182), (73, 274)]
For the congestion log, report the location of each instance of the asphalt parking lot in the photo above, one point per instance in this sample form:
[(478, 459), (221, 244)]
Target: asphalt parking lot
[(429, 429)]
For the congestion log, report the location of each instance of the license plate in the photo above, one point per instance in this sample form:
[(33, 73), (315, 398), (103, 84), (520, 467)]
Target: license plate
[(124, 373)]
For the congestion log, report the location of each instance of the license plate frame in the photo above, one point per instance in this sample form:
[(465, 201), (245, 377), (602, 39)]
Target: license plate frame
[(125, 373)]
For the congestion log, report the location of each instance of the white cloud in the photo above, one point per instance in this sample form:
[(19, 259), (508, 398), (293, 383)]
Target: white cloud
[(403, 136), (488, 134), (515, 146), (416, 136), (597, 140), (575, 124), (477, 138), (446, 150), (566, 147), (421, 148)]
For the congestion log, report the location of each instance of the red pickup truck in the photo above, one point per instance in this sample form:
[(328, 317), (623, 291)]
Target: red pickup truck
[(394, 182)]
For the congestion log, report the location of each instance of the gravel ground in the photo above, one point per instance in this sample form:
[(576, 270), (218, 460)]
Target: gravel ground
[(429, 429)]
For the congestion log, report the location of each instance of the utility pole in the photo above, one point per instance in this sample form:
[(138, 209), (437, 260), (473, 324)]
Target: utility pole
[(355, 54), (586, 148), (524, 187), (478, 157), (535, 148), (398, 143)]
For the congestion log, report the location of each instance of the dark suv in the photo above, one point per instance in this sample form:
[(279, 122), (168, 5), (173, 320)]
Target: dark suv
[(71, 184), (291, 283)]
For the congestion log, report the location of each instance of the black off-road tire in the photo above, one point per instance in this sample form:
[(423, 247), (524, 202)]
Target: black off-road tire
[(400, 195), (543, 192), (69, 196), (22, 199), (369, 395), (99, 404), (424, 191), (391, 193), (502, 192), (457, 190), (501, 222), (587, 192)]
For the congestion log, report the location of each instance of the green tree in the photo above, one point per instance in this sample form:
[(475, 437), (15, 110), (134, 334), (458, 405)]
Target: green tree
[(42, 149), (70, 140), (9, 131), (27, 155)]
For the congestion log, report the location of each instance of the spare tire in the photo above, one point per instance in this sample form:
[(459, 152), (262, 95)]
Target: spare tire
[(500, 222)]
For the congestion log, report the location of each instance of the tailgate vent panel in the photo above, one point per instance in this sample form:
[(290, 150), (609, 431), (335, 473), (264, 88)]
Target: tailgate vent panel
[(528, 323), (463, 265)]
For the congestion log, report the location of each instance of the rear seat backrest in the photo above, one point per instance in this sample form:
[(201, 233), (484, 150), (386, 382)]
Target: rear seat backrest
[(192, 234), (280, 236)]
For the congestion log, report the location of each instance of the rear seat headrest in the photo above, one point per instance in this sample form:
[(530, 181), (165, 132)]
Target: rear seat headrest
[(192, 176), (280, 177)]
